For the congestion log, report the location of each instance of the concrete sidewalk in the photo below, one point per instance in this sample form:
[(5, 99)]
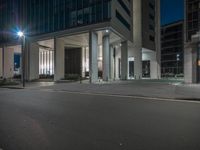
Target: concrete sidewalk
[(145, 88), (28, 85), (172, 90)]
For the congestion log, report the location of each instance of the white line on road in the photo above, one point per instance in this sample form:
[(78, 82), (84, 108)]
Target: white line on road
[(124, 96)]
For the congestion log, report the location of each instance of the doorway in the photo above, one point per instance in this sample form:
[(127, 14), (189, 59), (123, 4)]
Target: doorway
[(72, 62), (146, 69)]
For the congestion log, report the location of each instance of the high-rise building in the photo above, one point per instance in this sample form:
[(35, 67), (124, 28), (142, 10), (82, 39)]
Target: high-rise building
[(90, 38), (192, 18), (192, 40), (172, 49)]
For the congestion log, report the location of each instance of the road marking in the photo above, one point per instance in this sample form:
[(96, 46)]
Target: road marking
[(124, 96)]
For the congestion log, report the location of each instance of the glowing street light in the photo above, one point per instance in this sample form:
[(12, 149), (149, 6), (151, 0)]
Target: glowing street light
[(20, 34), (107, 31)]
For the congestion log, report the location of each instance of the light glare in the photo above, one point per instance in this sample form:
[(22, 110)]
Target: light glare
[(20, 34)]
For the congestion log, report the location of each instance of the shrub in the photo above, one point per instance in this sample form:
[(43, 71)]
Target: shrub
[(72, 77)]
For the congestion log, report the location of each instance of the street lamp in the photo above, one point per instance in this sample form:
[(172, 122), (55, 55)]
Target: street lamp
[(22, 37), (177, 60), (20, 34)]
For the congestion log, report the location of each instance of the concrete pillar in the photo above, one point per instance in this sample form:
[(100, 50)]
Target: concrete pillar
[(191, 57), (106, 58), (190, 67), (154, 70), (124, 60), (93, 47), (158, 38), (59, 51), (33, 61), (198, 63), (8, 62), (1, 62), (149, 55), (117, 63), (83, 55), (137, 38), (138, 63), (194, 64), (112, 63)]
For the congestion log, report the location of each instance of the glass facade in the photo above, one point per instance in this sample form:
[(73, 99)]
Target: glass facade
[(42, 16), (192, 18), (123, 20), (172, 46), (9, 18)]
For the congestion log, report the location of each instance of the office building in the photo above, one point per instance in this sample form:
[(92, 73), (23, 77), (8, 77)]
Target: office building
[(192, 40), (93, 39), (172, 49)]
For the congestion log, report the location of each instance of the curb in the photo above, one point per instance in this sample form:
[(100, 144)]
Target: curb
[(124, 95), (8, 87)]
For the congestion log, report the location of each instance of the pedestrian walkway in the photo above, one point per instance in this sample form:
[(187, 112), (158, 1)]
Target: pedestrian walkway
[(146, 88), (29, 85)]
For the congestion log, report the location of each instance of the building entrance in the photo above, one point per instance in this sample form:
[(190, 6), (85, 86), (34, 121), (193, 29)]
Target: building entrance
[(146, 69), (131, 69), (72, 62)]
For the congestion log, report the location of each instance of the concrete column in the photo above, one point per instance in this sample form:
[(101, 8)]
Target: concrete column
[(83, 61), (138, 63), (8, 62), (154, 69), (137, 38), (151, 56), (158, 39), (124, 60), (93, 47), (190, 67), (1, 62), (33, 61), (198, 64), (59, 64), (106, 58), (111, 62), (194, 63)]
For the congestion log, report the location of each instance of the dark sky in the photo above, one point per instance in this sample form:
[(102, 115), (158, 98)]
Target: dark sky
[(171, 11)]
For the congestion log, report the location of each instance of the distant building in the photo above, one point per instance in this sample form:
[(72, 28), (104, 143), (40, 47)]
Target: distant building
[(172, 49), (107, 39), (192, 41)]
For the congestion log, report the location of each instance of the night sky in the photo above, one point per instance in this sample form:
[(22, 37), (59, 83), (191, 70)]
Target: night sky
[(171, 11)]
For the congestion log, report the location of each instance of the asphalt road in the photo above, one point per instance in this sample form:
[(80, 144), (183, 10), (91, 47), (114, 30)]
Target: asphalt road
[(52, 120)]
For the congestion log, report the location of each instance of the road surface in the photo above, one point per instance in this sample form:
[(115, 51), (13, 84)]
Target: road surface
[(39, 119)]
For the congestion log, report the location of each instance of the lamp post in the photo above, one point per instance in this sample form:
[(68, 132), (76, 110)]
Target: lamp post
[(177, 60), (22, 37)]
